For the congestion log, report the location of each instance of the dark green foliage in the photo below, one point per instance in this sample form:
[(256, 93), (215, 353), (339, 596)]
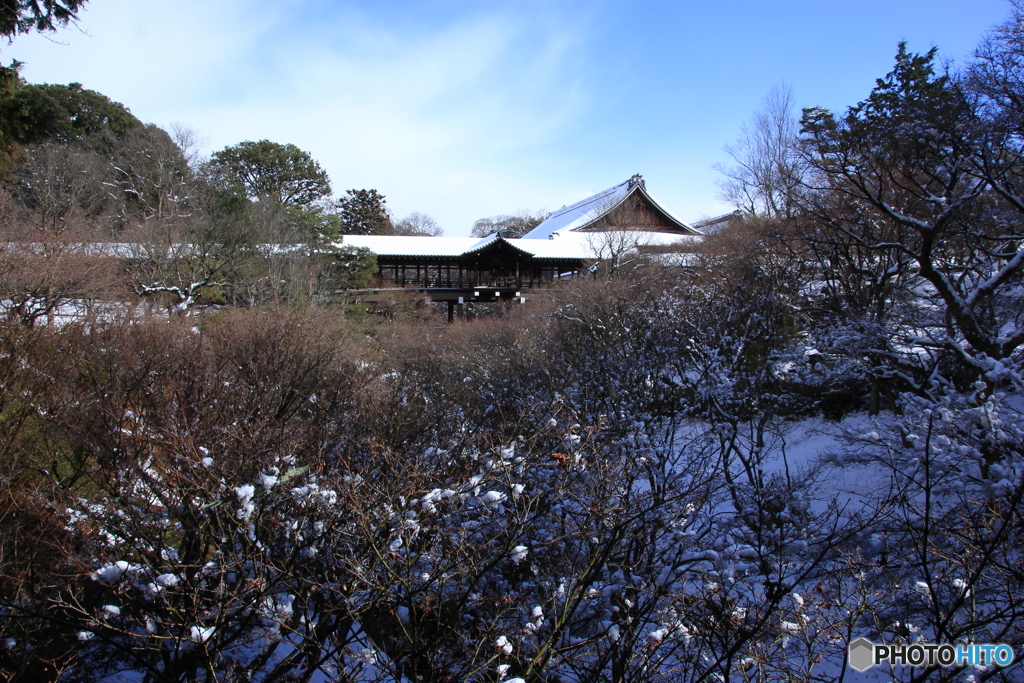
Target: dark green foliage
[(36, 114), (317, 225), (278, 189), (18, 17), (923, 178), (363, 212), (65, 113), (270, 171), (353, 267), (912, 130), (9, 78), (25, 16), (10, 150), (228, 211)]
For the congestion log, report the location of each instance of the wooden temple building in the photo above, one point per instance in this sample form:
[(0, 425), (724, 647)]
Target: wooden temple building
[(460, 270)]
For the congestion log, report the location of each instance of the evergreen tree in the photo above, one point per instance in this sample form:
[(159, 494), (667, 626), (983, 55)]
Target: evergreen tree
[(18, 17), (364, 212), (286, 185), (33, 114), (353, 267), (920, 179), (65, 113), (270, 171), (45, 16)]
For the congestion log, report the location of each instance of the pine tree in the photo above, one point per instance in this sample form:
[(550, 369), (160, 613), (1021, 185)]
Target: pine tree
[(364, 212)]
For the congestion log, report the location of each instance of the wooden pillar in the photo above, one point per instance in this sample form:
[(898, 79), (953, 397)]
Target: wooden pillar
[(451, 311)]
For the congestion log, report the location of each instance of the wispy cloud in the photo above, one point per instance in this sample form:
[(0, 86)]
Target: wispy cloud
[(438, 110), (468, 108)]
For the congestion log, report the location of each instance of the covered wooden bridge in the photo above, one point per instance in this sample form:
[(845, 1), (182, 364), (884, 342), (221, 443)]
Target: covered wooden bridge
[(458, 270)]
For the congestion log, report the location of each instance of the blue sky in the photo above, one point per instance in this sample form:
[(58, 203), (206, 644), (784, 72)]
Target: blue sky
[(464, 109)]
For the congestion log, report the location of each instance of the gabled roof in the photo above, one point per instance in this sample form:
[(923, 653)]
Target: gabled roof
[(492, 240), (457, 247), (715, 224), (563, 235), (563, 246), (592, 209)]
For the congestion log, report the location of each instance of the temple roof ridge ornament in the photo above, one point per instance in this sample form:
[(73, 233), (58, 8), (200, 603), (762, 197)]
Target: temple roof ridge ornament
[(627, 206)]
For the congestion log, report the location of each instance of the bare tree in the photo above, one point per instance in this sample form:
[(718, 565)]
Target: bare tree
[(617, 251), (190, 142), (151, 179), (766, 177), (48, 255), (179, 262), (508, 226), (417, 224), (59, 188)]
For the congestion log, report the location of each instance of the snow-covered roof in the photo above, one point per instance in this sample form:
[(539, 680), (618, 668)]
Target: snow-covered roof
[(710, 226), (125, 250), (599, 245), (402, 245), (563, 245), (551, 249), (560, 236), (593, 208), (455, 247), (486, 242)]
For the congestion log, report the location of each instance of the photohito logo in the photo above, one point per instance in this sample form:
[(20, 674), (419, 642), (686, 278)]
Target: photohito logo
[(863, 654)]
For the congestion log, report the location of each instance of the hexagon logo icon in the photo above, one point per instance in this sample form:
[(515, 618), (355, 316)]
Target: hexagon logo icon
[(862, 654)]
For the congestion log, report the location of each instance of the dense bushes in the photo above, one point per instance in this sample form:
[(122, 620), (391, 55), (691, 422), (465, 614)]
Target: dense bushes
[(589, 488)]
